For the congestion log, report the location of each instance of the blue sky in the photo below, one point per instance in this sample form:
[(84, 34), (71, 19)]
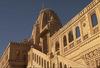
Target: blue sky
[(18, 16)]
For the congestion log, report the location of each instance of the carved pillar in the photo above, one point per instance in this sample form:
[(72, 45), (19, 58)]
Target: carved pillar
[(48, 42)]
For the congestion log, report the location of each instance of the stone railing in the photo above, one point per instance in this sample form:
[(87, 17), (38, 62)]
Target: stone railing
[(39, 59)]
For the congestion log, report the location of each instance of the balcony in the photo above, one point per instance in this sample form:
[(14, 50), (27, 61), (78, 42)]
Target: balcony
[(44, 30), (38, 59)]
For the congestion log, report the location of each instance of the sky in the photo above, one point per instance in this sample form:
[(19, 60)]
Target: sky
[(18, 16)]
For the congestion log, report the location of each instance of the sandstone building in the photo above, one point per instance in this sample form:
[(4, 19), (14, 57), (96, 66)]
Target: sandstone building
[(51, 45), (15, 55), (75, 45)]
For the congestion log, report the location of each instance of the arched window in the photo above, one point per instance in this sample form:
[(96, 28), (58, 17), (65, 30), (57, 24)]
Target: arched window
[(70, 36), (57, 46), (64, 41), (77, 29), (65, 66), (60, 65), (94, 20)]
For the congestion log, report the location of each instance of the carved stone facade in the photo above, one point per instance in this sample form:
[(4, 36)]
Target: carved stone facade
[(15, 55), (75, 45), (92, 58)]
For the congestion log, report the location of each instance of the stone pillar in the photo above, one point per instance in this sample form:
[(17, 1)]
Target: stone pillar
[(41, 43), (48, 42)]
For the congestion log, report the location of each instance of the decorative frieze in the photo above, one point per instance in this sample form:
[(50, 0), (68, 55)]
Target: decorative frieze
[(93, 54), (91, 57)]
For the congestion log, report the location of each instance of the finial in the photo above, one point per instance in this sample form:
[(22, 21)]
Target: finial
[(43, 4)]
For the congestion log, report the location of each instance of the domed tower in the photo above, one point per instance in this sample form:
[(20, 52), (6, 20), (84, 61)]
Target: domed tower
[(46, 25)]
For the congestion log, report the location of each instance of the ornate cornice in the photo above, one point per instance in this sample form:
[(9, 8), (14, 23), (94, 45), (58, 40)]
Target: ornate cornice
[(77, 17)]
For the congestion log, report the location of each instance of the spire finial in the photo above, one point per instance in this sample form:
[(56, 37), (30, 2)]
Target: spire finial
[(43, 4)]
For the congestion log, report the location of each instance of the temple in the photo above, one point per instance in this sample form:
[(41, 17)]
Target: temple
[(51, 45)]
